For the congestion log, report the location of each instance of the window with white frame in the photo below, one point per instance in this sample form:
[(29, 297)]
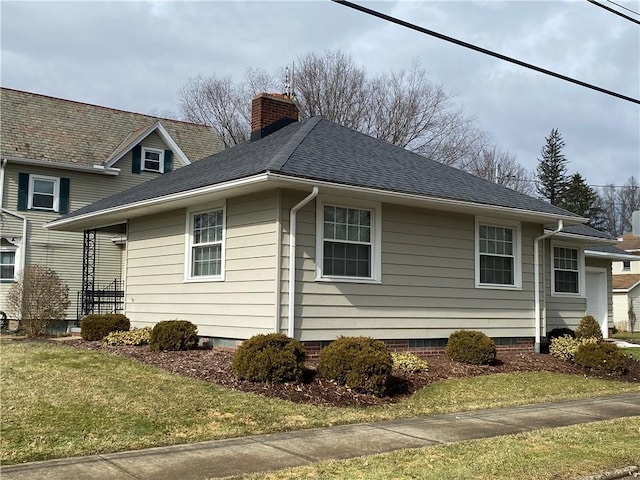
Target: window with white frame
[(152, 160), (44, 193), (348, 242), (498, 254), (567, 268), (206, 245), (626, 265), (7, 264)]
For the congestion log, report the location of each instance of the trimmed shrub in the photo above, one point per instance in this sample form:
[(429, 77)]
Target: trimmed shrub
[(97, 326), (601, 357), (135, 337), (589, 328), (470, 346), (560, 332), (173, 335), (409, 362), (565, 347), (361, 363), (271, 358)]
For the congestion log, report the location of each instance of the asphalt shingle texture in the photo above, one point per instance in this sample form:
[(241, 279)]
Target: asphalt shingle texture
[(319, 149)]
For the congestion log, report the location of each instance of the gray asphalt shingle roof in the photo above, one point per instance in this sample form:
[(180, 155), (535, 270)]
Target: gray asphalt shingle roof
[(587, 231), (319, 149)]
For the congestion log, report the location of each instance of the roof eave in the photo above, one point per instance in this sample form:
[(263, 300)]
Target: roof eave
[(611, 256), (100, 170), (587, 239)]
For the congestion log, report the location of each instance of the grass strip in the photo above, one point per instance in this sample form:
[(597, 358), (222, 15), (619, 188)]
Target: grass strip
[(559, 453)]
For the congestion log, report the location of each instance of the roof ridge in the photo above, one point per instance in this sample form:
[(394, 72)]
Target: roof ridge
[(281, 157)]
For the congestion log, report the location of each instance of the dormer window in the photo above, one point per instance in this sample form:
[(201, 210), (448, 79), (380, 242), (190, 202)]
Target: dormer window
[(152, 160)]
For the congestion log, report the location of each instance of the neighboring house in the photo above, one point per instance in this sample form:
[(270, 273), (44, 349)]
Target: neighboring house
[(316, 230), (57, 156), (626, 284)]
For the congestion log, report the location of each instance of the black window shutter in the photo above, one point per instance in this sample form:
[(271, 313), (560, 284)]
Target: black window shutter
[(23, 191), (63, 202), (136, 153), (168, 161)]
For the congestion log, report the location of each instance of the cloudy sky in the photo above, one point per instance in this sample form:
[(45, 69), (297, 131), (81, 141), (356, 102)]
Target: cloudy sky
[(136, 55)]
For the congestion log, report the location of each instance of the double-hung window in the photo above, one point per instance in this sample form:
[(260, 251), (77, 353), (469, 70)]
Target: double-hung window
[(626, 265), (498, 254), (348, 242), (44, 193), (7, 264), (567, 265), (205, 243), (152, 160)]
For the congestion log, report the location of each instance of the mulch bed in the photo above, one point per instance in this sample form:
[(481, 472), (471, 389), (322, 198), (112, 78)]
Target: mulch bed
[(214, 366)]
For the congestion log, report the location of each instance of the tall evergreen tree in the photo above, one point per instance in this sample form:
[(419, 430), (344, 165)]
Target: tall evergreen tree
[(583, 200), (552, 181)]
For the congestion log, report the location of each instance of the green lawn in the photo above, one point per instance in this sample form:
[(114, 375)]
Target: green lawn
[(628, 337), (559, 453), (632, 352), (58, 401)]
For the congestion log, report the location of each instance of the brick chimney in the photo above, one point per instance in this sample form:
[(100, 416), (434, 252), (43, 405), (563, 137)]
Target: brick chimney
[(271, 112)]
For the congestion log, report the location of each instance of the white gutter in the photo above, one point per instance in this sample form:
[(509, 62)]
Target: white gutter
[(292, 258), (63, 166), (536, 283)]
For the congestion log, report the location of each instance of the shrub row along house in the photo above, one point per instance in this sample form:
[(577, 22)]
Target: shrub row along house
[(315, 230), (58, 156)]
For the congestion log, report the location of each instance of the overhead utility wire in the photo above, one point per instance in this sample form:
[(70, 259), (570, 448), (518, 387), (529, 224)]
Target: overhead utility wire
[(609, 9), (622, 6), (481, 50)]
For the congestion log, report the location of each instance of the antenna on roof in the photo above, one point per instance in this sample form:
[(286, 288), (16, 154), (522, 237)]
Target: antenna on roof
[(289, 92)]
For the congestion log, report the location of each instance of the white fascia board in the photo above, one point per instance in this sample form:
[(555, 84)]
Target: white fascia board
[(122, 213), (440, 203), (611, 256), (62, 166), (164, 135)]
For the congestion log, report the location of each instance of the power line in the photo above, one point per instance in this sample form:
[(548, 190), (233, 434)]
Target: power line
[(476, 48), (609, 9), (622, 6)]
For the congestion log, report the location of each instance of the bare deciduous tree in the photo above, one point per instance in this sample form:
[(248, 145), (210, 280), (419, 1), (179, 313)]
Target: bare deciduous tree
[(502, 168), (616, 206), (402, 108), (37, 298)]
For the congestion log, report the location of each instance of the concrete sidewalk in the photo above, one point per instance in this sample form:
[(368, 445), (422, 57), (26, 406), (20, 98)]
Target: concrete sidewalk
[(269, 452)]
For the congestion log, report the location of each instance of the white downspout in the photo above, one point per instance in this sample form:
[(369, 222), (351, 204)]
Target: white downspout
[(536, 283), (292, 259)]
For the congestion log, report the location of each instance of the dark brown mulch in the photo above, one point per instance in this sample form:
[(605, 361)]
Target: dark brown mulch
[(215, 366)]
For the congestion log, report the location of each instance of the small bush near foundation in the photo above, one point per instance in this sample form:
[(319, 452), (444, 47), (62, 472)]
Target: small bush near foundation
[(135, 337), (97, 326), (470, 346), (560, 332), (173, 335), (361, 363), (409, 362), (589, 328), (271, 358), (565, 347), (601, 357)]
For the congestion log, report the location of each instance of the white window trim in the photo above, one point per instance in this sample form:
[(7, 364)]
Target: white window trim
[(188, 243), (376, 238), (16, 261), (581, 271), (143, 159), (56, 193), (517, 252)]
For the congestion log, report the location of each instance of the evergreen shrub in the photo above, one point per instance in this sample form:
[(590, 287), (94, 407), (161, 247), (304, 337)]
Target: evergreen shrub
[(271, 358), (173, 335), (470, 346), (361, 363), (135, 337), (97, 326), (601, 357), (589, 328)]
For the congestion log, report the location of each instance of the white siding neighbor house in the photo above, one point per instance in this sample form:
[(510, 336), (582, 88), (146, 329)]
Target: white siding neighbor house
[(626, 284), (57, 156), (315, 230)]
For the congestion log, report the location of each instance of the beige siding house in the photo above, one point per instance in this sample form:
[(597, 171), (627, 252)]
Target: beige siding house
[(317, 231), (58, 156)]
